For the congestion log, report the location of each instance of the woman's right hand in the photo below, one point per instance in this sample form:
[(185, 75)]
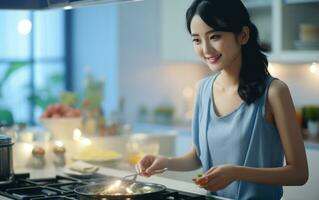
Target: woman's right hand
[(150, 163)]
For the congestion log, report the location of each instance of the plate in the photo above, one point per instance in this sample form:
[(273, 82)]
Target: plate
[(309, 45), (97, 155), (73, 173)]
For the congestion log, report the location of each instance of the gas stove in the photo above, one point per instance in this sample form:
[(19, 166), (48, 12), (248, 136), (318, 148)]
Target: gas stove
[(61, 187)]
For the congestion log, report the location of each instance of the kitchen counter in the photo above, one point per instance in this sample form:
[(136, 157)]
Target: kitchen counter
[(22, 155), (311, 142)]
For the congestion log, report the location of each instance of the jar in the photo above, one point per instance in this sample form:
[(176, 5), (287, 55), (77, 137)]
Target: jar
[(38, 160), (6, 161), (59, 156)]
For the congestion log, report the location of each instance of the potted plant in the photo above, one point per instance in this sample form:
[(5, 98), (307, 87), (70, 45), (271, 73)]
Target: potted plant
[(312, 118), (164, 115)]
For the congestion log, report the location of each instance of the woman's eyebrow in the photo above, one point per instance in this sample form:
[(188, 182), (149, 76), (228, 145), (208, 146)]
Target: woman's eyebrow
[(208, 32)]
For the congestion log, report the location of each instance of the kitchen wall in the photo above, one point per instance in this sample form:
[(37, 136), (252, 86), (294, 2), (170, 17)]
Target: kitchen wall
[(139, 59), (95, 49), (303, 84)]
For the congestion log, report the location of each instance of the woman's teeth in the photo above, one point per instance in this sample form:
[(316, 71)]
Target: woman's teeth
[(213, 59)]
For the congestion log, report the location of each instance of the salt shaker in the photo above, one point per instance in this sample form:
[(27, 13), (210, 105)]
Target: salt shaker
[(38, 160), (59, 156)]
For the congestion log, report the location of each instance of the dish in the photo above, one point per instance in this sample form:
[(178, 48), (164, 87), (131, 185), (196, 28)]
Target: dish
[(96, 155), (73, 173), (81, 169), (309, 45)]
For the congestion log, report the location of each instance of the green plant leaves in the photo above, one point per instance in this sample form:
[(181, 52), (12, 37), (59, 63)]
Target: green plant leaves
[(13, 67)]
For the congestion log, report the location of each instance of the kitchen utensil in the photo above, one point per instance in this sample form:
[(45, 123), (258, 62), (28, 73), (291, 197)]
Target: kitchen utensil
[(115, 190), (6, 161), (134, 176)]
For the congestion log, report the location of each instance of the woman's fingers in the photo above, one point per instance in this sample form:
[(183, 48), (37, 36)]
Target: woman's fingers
[(145, 164)]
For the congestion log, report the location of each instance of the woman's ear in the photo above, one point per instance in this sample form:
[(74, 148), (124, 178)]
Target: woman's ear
[(244, 35)]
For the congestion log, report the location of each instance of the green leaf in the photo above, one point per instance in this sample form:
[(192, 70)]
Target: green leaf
[(42, 102), (14, 66), (56, 79)]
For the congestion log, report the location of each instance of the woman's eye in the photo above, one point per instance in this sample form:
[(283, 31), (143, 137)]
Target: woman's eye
[(214, 37), (195, 40)]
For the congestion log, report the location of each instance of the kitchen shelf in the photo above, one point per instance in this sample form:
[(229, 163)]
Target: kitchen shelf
[(300, 1), (257, 3), (278, 27), (294, 57)]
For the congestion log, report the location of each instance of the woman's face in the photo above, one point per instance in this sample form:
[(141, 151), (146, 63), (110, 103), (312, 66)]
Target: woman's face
[(220, 50)]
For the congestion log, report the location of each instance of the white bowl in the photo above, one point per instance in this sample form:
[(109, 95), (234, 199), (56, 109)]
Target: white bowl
[(62, 128)]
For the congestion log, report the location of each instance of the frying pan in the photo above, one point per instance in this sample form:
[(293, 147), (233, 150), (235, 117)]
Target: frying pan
[(102, 190)]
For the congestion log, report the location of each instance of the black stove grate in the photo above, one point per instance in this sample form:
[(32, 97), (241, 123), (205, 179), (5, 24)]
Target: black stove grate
[(61, 188)]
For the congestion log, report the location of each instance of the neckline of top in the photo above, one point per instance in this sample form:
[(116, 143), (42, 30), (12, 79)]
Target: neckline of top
[(212, 101)]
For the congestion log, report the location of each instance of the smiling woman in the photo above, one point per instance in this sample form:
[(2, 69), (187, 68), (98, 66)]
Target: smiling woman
[(244, 121)]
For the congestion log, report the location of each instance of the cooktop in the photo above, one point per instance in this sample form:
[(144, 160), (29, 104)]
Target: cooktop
[(61, 187)]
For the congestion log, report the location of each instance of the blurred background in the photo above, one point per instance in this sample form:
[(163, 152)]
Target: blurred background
[(131, 68), (142, 55)]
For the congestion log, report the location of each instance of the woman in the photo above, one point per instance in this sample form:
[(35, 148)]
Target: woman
[(244, 120)]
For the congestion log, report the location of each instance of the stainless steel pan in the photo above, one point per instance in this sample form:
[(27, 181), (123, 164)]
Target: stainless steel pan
[(119, 189)]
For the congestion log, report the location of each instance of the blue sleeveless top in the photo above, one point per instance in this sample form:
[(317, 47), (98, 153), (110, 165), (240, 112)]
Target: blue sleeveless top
[(242, 137)]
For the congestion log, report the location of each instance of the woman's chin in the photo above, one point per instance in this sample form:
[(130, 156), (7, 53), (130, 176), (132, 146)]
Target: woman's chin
[(214, 67)]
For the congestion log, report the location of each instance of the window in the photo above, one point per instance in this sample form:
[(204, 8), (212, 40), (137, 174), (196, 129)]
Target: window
[(42, 78)]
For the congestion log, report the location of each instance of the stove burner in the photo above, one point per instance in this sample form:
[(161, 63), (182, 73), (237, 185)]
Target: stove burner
[(61, 188)]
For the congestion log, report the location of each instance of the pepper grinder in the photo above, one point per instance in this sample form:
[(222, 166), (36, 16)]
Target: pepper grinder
[(59, 155), (38, 160)]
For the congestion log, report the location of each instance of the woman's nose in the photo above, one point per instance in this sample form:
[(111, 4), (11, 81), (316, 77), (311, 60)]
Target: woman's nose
[(207, 47)]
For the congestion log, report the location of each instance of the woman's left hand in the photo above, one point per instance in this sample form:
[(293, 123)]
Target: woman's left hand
[(217, 178)]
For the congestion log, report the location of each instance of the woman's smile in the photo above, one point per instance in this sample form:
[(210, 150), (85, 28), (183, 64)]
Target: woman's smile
[(213, 59)]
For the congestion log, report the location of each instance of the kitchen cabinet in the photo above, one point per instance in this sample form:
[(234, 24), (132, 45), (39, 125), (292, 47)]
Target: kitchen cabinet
[(279, 22)]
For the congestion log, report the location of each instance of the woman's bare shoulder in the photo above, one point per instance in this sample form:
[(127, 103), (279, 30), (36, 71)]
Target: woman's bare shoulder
[(278, 89), (279, 96)]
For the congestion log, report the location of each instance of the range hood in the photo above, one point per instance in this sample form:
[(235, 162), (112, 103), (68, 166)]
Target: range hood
[(54, 4)]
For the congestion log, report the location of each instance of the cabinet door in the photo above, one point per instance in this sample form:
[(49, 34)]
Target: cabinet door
[(256, 3), (300, 1), (176, 41), (262, 18), (308, 14)]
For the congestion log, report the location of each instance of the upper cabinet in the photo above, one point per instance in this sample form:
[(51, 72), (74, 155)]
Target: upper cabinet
[(288, 28)]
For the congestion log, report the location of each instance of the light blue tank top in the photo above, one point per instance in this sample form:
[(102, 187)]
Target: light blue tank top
[(242, 137)]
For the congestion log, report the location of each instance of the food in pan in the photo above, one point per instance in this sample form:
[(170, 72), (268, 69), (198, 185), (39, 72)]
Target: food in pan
[(125, 188)]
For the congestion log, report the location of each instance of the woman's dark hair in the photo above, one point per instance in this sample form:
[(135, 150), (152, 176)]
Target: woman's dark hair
[(232, 16)]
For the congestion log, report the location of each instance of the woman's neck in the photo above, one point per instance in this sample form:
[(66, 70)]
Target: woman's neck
[(229, 78)]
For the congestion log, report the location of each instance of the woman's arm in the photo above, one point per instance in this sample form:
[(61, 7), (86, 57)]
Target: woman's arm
[(186, 162), (296, 170), (149, 163)]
